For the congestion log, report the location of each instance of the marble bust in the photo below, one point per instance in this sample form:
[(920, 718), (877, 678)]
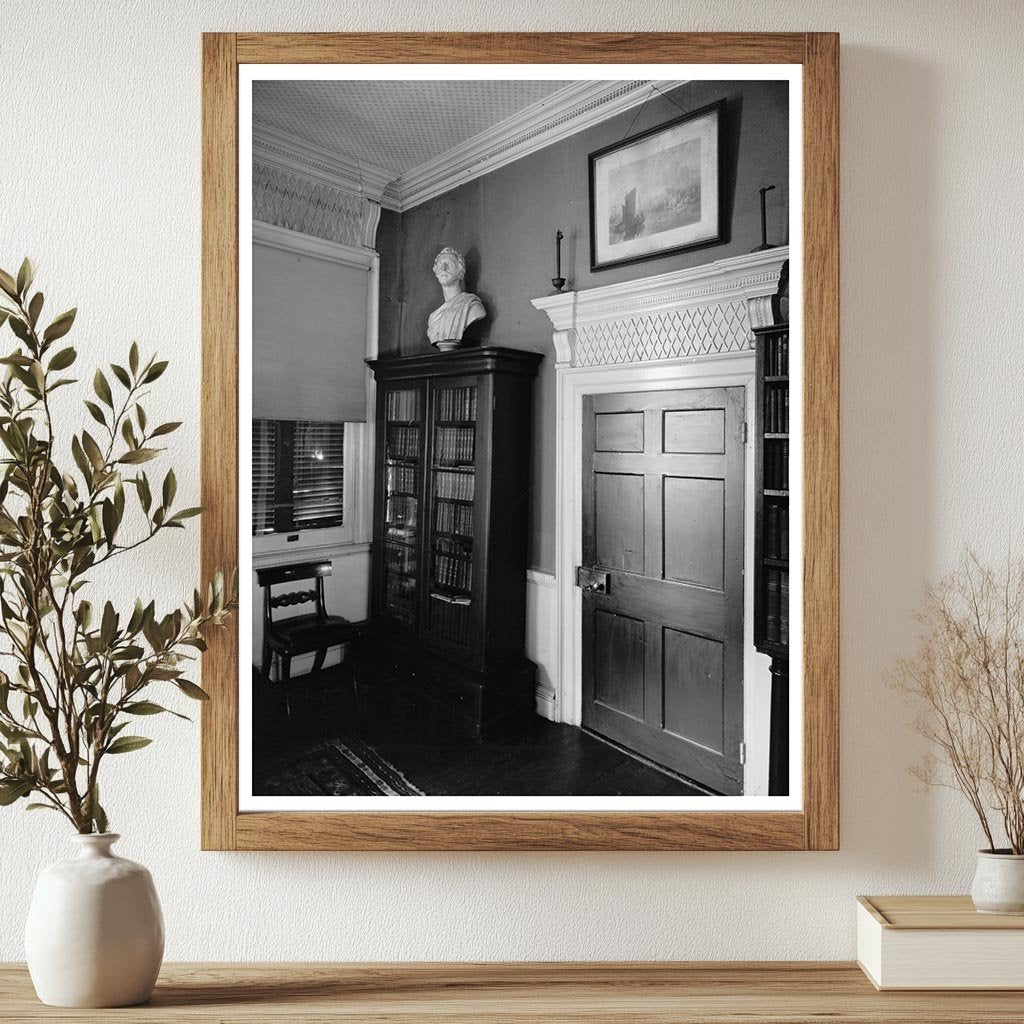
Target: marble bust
[(460, 308)]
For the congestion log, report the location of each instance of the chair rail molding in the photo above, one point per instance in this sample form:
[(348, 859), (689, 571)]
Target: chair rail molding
[(708, 310)]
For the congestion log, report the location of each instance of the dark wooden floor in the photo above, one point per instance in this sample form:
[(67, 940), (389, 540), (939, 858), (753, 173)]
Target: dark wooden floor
[(545, 759)]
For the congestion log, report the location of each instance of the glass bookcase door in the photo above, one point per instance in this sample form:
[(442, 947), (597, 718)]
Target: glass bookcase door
[(453, 487), (403, 477)]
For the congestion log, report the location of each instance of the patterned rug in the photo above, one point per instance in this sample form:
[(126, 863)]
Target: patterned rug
[(335, 767)]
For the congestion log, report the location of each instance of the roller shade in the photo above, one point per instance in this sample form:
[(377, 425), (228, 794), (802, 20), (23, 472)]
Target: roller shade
[(309, 336)]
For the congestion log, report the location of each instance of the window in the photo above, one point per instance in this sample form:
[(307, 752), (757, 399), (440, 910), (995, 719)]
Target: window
[(298, 475)]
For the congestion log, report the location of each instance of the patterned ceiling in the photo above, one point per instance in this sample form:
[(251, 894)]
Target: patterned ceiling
[(396, 125)]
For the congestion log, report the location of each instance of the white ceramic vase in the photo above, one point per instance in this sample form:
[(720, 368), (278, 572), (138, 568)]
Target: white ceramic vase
[(999, 883), (95, 933)]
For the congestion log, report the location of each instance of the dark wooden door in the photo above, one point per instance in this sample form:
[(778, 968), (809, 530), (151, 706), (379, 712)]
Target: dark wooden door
[(663, 517)]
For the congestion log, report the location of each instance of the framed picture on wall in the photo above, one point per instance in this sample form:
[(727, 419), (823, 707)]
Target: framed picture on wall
[(656, 193), (567, 583)]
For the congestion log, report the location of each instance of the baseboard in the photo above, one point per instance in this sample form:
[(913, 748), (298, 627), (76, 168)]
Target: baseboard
[(542, 639)]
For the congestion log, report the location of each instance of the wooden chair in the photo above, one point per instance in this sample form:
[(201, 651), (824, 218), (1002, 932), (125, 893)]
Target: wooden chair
[(300, 634)]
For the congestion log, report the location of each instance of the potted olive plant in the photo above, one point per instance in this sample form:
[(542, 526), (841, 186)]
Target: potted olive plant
[(77, 673), (967, 681)]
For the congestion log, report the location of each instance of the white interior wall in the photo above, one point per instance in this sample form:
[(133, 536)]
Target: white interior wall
[(101, 175)]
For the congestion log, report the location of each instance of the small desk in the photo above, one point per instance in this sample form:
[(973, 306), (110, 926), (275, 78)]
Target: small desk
[(737, 993)]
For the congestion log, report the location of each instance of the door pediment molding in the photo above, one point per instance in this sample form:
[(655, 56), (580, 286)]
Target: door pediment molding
[(709, 310)]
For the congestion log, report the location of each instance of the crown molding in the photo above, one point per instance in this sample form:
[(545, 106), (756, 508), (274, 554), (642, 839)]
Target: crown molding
[(296, 242), (570, 110), (558, 116), (287, 152)]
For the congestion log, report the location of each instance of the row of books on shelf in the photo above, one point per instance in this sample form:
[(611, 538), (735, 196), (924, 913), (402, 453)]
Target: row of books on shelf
[(450, 518), (776, 600), (450, 617), (401, 511), (456, 404), (776, 465), (776, 530), (776, 356), (776, 409), (399, 558), (403, 405), (453, 571), (456, 486), (403, 442), (454, 444), (402, 478)]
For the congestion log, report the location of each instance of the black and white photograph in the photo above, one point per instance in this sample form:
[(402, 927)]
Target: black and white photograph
[(515, 460)]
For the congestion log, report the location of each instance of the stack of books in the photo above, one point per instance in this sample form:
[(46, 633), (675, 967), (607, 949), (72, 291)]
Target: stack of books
[(938, 942)]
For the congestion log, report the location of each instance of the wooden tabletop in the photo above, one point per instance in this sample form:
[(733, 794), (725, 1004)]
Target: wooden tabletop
[(736, 993)]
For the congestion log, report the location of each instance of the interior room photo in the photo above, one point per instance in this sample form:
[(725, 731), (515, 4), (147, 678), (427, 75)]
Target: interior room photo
[(520, 403)]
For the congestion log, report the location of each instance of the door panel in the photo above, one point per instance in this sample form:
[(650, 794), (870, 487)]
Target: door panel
[(620, 432), (620, 534), (663, 515), (694, 668), (694, 431), (694, 541), (619, 651)]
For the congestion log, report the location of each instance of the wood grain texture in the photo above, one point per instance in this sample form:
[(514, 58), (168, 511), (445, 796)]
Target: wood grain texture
[(936, 912), (222, 826), (821, 440), (523, 993), (219, 429), (521, 48), (536, 831)]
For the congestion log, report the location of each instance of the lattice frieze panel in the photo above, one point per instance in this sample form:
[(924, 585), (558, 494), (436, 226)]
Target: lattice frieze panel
[(290, 201), (700, 330)]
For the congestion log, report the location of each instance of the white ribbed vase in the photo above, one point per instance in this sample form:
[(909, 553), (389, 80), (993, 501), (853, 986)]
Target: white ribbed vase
[(95, 933), (999, 883)]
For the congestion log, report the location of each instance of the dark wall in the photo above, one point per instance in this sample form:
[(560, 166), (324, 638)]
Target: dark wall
[(504, 223)]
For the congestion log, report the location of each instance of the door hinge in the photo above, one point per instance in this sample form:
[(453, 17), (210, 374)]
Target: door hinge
[(743, 753), (746, 433)]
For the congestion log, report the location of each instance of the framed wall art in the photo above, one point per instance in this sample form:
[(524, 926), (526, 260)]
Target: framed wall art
[(537, 534), (656, 193)]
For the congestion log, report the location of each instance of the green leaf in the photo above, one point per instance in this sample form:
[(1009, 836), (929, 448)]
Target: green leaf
[(155, 371), (99, 816), (108, 626), (26, 274), (20, 329), (80, 459), (145, 707), (191, 690), (14, 790), (121, 374), (125, 744), (165, 428), (140, 415), (109, 522), (35, 308), (60, 326), (95, 412), (139, 455), (63, 359), (7, 283), (185, 513), (170, 488), (145, 497), (133, 358), (41, 807), (128, 433), (92, 449), (102, 388)]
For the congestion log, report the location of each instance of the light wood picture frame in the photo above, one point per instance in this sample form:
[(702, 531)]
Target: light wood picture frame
[(816, 825)]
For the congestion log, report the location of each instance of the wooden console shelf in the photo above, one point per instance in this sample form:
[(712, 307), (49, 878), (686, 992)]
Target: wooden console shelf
[(794, 993)]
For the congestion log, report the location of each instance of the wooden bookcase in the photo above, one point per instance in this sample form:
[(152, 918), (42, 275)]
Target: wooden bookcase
[(452, 479), (771, 535)]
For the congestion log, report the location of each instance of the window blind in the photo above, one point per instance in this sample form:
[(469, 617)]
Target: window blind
[(309, 323), (298, 475)]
